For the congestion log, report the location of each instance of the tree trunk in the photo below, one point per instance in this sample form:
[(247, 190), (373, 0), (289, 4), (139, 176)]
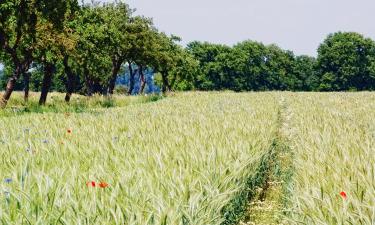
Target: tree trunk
[(116, 65), (89, 91), (49, 70), (131, 85), (88, 82), (165, 87), (10, 86), (26, 77), (97, 87), (143, 80), (21, 66), (70, 85)]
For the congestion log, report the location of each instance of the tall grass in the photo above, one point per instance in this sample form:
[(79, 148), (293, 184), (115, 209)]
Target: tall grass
[(192, 158), (176, 161), (78, 103), (332, 136)]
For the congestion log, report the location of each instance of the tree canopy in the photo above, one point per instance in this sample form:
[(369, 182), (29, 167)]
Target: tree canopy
[(346, 62), (72, 47)]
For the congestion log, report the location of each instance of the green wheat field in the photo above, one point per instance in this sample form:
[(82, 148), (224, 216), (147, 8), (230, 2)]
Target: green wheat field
[(190, 158)]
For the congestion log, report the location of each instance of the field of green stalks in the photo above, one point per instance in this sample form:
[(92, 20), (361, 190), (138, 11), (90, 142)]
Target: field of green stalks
[(332, 137), (189, 158), (180, 160)]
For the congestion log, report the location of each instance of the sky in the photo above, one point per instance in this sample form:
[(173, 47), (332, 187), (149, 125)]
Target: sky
[(297, 25)]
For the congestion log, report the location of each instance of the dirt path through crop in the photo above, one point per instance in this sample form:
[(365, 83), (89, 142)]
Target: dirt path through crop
[(269, 204)]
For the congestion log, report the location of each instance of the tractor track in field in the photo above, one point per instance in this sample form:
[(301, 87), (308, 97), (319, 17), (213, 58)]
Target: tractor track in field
[(267, 191), (268, 206)]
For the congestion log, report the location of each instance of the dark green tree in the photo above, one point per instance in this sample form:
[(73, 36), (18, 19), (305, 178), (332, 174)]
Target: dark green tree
[(92, 59), (345, 62), (166, 58), (142, 38), (208, 77), (19, 21), (51, 48), (306, 77), (117, 17), (183, 75)]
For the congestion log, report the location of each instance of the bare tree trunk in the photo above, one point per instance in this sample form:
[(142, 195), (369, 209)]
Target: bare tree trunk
[(166, 86), (88, 84), (26, 77), (49, 70), (131, 85), (10, 86), (21, 66), (99, 88), (70, 85), (143, 80), (116, 65)]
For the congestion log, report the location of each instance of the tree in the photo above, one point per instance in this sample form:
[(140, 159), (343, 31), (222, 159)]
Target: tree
[(117, 17), (252, 65), (52, 47), (143, 44), (206, 54), (18, 32), (166, 57), (306, 77), (92, 58), (183, 75), (345, 62), (279, 67)]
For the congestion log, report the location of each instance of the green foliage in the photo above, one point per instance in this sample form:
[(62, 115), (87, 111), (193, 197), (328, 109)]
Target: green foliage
[(247, 66), (307, 78), (207, 77), (83, 48), (346, 62), (28, 27), (182, 75), (108, 103), (93, 61), (151, 98)]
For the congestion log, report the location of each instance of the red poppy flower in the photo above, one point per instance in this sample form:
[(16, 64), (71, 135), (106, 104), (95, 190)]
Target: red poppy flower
[(91, 183), (343, 195), (103, 185)]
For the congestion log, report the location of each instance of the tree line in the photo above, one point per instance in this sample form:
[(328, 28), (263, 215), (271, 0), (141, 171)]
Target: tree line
[(86, 45), (345, 62), (67, 46)]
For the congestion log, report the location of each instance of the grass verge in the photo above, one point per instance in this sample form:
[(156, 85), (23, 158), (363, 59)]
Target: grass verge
[(78, 104)]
